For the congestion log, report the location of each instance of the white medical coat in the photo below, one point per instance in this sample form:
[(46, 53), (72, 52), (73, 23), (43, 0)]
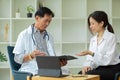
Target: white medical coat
[(25, 45)]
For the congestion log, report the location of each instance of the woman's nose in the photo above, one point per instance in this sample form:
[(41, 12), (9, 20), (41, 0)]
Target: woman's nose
[(90, 26)]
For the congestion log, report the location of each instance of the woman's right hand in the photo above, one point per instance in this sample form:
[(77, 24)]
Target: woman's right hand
[(85, 69)]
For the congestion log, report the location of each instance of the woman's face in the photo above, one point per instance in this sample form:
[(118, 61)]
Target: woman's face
[(95, 27)]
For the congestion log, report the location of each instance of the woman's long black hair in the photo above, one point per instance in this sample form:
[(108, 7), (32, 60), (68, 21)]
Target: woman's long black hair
[(101, 16)]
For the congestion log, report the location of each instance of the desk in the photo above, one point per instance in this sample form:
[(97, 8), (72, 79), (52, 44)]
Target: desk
[(88, 77)]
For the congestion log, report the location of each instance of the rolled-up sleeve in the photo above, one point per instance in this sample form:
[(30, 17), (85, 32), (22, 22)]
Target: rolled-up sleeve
[(19, 58), (90, 62)]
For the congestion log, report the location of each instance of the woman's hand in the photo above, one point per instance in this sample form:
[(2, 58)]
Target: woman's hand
[(86, 69), (86, 52)]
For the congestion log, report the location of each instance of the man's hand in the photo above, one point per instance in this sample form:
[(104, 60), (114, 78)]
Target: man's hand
[(37, 53), (63, 62), (32, 55)]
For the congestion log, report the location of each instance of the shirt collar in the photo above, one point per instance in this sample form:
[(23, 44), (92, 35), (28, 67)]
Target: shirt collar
[(36, 30), (105, 35)]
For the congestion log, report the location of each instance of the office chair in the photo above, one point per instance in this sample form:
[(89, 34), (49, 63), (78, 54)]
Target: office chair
[(17, 75)]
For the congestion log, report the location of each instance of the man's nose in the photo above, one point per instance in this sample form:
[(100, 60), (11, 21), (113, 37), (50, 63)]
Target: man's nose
[(47, 23)]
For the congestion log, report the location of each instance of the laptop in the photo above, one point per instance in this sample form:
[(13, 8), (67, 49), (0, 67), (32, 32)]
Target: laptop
[(49, 66)]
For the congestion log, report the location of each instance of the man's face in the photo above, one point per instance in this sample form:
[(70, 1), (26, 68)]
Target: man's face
[(43, 22)]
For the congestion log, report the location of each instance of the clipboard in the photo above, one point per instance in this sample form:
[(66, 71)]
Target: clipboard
[(67, 57)]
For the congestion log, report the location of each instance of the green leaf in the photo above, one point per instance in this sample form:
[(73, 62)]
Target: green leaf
[(30, 8), (2, 57)]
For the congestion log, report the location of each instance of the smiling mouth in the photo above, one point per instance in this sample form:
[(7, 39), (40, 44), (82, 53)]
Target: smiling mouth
[(92, 29)]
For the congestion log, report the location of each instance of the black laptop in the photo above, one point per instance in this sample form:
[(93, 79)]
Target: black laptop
[(50, 65)]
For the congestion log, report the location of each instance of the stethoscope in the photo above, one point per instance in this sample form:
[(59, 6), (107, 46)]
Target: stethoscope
[(46, 36)]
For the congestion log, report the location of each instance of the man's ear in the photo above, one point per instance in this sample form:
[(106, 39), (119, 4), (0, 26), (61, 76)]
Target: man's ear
[(37, 17)]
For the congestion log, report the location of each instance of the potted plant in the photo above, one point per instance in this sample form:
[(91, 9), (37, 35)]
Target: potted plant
[(3, 57), (30, 9)]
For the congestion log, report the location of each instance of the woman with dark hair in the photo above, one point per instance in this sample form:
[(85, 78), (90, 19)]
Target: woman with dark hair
[(102, 56)]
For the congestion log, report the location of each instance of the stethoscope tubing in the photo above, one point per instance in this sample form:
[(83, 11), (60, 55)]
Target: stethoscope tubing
[(46, 36)]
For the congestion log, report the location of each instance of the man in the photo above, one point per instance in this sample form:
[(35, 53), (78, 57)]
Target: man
[(35, 40)]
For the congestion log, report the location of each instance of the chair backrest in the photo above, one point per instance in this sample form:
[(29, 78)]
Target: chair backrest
[(15, 66)]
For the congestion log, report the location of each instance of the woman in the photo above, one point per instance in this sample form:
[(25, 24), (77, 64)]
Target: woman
[(102, 56)]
